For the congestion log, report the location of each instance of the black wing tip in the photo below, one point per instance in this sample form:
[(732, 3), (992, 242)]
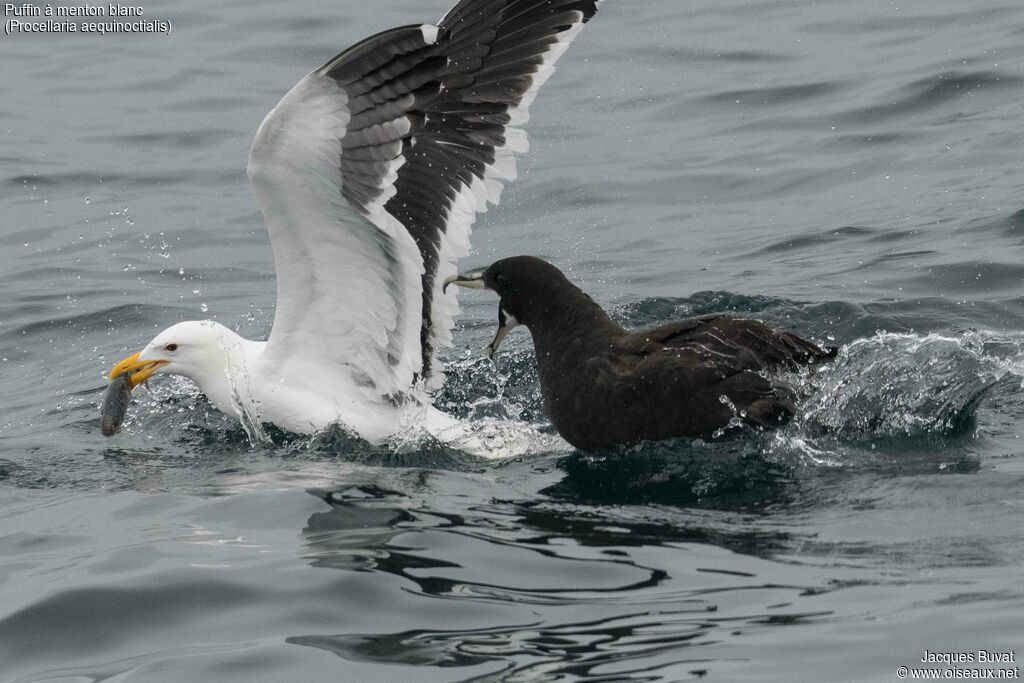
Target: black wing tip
[(468, 9), (378, 49), (464, 75)]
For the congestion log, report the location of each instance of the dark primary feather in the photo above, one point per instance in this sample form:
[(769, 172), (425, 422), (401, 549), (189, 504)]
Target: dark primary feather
[(443, 109), (605, 386)]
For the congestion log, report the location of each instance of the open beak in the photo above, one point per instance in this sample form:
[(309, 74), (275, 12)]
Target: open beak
[(474, 279), (138, 371), (499, 337), (505, 324)]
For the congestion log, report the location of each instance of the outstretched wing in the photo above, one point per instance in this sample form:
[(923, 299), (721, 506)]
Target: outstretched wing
[(371, 170)]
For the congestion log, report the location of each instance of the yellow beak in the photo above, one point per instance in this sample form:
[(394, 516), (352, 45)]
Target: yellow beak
[(138, 370)]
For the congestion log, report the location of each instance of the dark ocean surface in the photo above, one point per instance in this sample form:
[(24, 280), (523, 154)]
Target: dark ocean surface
[(850, 170)]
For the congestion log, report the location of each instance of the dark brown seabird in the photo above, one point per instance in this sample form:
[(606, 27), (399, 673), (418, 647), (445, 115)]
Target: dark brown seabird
[(604, 386)]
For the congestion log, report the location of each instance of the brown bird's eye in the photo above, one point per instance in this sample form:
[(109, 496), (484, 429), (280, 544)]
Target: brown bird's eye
[(171, 347)]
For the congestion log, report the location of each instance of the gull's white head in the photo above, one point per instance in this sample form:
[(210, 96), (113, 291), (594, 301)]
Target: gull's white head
[(198, 349)]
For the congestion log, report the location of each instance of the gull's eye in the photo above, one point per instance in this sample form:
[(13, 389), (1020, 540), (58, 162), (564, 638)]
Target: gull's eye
[(171, 347)]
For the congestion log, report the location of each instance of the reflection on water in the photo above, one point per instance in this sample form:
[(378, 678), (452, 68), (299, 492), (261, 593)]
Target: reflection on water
[(728, 474), (636, 617)]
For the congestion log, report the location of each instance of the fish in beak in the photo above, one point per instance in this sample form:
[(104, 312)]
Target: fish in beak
[(126, 375), (115, 405), (138, 371)]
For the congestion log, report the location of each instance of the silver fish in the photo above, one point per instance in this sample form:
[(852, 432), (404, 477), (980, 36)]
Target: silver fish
[(115, 404)]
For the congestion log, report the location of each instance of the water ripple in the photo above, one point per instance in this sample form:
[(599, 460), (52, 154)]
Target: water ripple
[(773, 96), (930, 93)]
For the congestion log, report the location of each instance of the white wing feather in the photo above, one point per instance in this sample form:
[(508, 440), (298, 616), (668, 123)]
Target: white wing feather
[(344, 283), (371, 170)]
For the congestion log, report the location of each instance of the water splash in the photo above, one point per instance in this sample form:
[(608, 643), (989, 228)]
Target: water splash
[(245, 405), (902, 385)]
